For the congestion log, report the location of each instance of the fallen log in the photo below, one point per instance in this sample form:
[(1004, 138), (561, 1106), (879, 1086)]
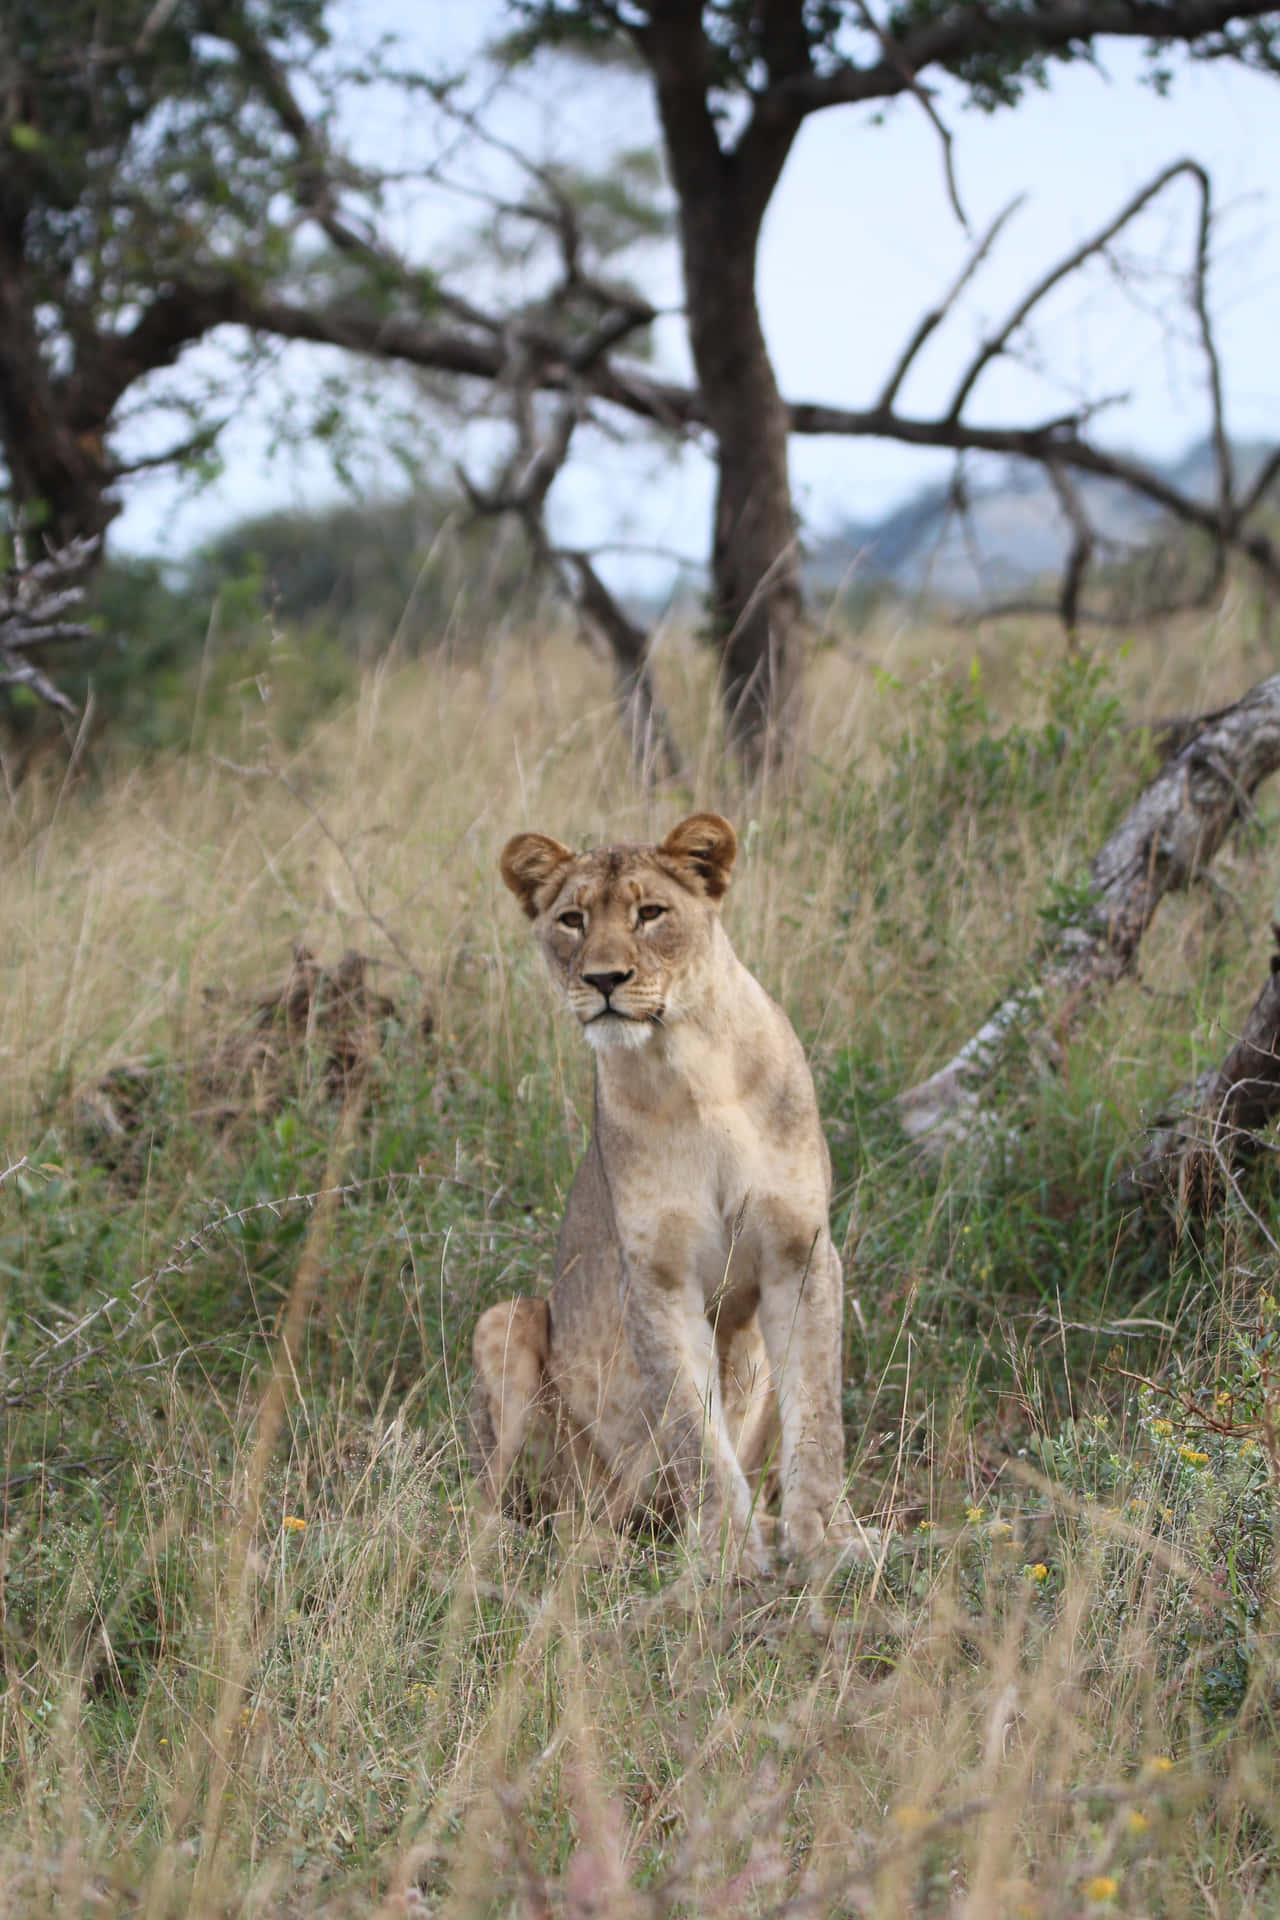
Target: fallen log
[(1165, 842), (1210, 1126)]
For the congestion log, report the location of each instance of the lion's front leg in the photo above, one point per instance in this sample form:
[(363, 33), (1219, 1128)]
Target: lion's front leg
[(675, 1348), (801, 1317)]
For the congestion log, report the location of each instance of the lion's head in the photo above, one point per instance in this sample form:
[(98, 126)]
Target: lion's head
[(625, 929)]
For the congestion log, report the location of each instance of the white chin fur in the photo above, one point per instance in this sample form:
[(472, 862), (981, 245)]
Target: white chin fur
[(608, 1032)]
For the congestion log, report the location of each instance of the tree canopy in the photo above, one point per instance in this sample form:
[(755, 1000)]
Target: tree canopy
[(171, 168)]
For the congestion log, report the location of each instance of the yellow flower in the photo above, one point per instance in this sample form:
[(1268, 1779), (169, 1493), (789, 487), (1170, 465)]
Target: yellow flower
[(1248, 1446), (973, 1515), (1103, 1886), (1039, 1572), (926, 1526), (292, 1524), (1162, 1428), (1157, 1763), (1137, 1821), (1192, 1458), (1223, 1399)]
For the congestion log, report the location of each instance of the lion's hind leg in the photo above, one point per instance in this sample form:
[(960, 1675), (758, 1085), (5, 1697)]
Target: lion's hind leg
[(513, 1437)]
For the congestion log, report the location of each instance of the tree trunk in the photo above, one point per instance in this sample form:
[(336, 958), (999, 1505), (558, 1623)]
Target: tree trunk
[(58, 477), (755, 578), (756, 598)]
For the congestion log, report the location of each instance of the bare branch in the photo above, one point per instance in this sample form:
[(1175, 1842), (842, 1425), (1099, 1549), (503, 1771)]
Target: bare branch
[(15, 672), (536, 458), (201, 442), (1266, 477), (1083, 541), (33, 598), (653, 745), (897, 58), (993, 347), (936, 315), (1199, 302)]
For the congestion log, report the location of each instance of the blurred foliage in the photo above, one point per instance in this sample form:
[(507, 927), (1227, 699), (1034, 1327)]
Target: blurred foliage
[(152, 159), (286, 605), (748, 46)]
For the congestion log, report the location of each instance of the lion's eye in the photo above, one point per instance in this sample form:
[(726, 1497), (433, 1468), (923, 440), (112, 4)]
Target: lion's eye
[(650, 912), (573, 920)]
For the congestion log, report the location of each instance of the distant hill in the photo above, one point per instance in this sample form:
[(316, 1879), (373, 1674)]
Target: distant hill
[(1014, 532)]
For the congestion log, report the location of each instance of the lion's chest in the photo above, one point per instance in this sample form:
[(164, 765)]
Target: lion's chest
[(706, 1193)]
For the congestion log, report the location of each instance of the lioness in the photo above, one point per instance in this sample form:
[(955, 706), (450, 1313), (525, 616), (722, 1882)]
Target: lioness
[(691, 1345)]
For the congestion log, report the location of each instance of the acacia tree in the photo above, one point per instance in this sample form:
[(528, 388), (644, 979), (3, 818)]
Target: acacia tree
[(169, 168), (142, 174), (734, 82)]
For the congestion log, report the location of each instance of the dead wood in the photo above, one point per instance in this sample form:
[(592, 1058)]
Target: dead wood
[(324, 1025), (332, 1014), (1166, 841), (35, 599), (536, 456), (1212, 1125)]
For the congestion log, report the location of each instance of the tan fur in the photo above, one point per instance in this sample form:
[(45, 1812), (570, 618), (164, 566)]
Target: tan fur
[(688, 1358)]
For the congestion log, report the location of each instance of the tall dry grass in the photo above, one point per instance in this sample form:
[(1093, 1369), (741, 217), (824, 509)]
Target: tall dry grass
[(260, 1654)]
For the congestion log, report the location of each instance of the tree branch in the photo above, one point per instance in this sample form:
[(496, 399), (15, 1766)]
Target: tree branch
[(33, 598), (1083, 540), (992, 348), (1012, 32), (936, 315), (893, 52)]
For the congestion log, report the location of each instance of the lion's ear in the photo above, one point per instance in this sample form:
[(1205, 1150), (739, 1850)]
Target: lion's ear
[(528, 863), (705, 847)]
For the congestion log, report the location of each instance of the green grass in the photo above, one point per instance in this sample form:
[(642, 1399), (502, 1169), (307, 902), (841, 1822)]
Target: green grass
[(237, 1298)]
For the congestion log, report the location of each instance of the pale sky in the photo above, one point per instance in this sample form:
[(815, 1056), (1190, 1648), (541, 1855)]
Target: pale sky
[(860, 238)]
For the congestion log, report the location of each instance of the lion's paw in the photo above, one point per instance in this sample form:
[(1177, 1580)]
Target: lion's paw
[(816, 1543)]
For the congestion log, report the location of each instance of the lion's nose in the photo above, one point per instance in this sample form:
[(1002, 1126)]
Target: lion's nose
[(607, 983)]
